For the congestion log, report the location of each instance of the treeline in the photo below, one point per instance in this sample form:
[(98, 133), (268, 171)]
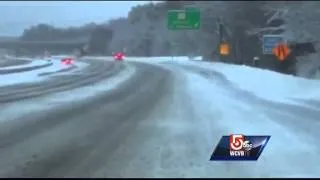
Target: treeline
[(45, 32), (144, 32)]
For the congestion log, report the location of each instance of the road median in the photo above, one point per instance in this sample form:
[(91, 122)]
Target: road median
[(33, 65)]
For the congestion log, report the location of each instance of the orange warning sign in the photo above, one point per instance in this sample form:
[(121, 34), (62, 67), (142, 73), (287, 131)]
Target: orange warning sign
[(281, 51), (224, 49)]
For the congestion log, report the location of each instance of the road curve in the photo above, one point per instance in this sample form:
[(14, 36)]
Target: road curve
[(77, 140), (12, 62), (162, 122), (97, 70), (23, 69)]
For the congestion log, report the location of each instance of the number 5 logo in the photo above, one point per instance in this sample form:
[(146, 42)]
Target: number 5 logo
[(236, 142)]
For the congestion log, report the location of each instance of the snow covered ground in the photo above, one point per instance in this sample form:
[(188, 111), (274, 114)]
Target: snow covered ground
[(221, 114), (33, 76), (188, 124), (197, 114), (263, 83), (200, 111), (159, 59), (192, 119), (57, 99), (35, 62), (266, 84)]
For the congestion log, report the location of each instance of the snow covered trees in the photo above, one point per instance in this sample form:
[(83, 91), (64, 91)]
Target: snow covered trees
[(144, 31)]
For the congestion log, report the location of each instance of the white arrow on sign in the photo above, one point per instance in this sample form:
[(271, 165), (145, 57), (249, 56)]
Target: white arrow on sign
[(182, 16)]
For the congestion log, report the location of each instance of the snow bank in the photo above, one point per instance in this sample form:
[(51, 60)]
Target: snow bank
[(33, 76), (79, 67), (59, 98), (199, 58), (36, 62), (159, 59), (62, 56), (308, 66), (264, 83), (164, 58), (19, 58), (225, 115)]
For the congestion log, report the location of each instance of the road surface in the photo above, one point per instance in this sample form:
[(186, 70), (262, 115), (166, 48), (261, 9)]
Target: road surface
[(12, 62), (159, 123), (95, 125)]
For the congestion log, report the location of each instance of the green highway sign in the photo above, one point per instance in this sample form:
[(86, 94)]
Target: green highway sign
[(184, 19)]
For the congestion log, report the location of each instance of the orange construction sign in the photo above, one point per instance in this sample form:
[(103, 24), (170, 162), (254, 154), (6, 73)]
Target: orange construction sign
[(281, 51), (224, 49)]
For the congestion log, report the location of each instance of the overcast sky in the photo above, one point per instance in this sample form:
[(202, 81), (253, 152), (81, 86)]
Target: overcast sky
[(17, 15)]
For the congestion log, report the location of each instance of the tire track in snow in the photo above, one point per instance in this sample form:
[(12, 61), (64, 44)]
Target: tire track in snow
[(97, 71)]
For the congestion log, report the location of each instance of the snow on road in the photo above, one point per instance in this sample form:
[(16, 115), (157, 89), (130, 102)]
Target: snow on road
[(9, 111), (266, 84), (79, 66), (186, 126), (286, 150), (263, 83), (200, 111), (36, 62), (33, 76), (150, 60), (189, 122)]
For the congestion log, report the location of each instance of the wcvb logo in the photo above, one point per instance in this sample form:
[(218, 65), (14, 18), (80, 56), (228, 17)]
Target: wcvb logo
[(236, 142), (239, 146)]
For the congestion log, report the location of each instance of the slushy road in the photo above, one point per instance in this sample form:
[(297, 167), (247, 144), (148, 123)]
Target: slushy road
[(75, 139), (164, 121), (12, 62)]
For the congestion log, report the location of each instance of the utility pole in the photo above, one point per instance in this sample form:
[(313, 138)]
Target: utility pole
[(220, 30)]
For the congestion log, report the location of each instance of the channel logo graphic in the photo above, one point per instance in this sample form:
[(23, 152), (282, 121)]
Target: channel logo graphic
[(238, 147)]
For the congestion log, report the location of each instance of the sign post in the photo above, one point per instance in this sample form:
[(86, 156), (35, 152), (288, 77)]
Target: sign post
[(269, 42), (183, 19)]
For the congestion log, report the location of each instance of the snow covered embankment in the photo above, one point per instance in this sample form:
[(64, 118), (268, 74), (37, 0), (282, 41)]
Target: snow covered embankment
[(64, 97), (160, 59), (35, 75), (34, 64), (264, 83)]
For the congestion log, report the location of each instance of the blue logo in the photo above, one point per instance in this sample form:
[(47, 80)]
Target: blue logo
[(238, 147), (270, 41)]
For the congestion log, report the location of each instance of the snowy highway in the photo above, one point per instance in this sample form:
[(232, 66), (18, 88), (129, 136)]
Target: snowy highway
[(156, 118), (10, 65)]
